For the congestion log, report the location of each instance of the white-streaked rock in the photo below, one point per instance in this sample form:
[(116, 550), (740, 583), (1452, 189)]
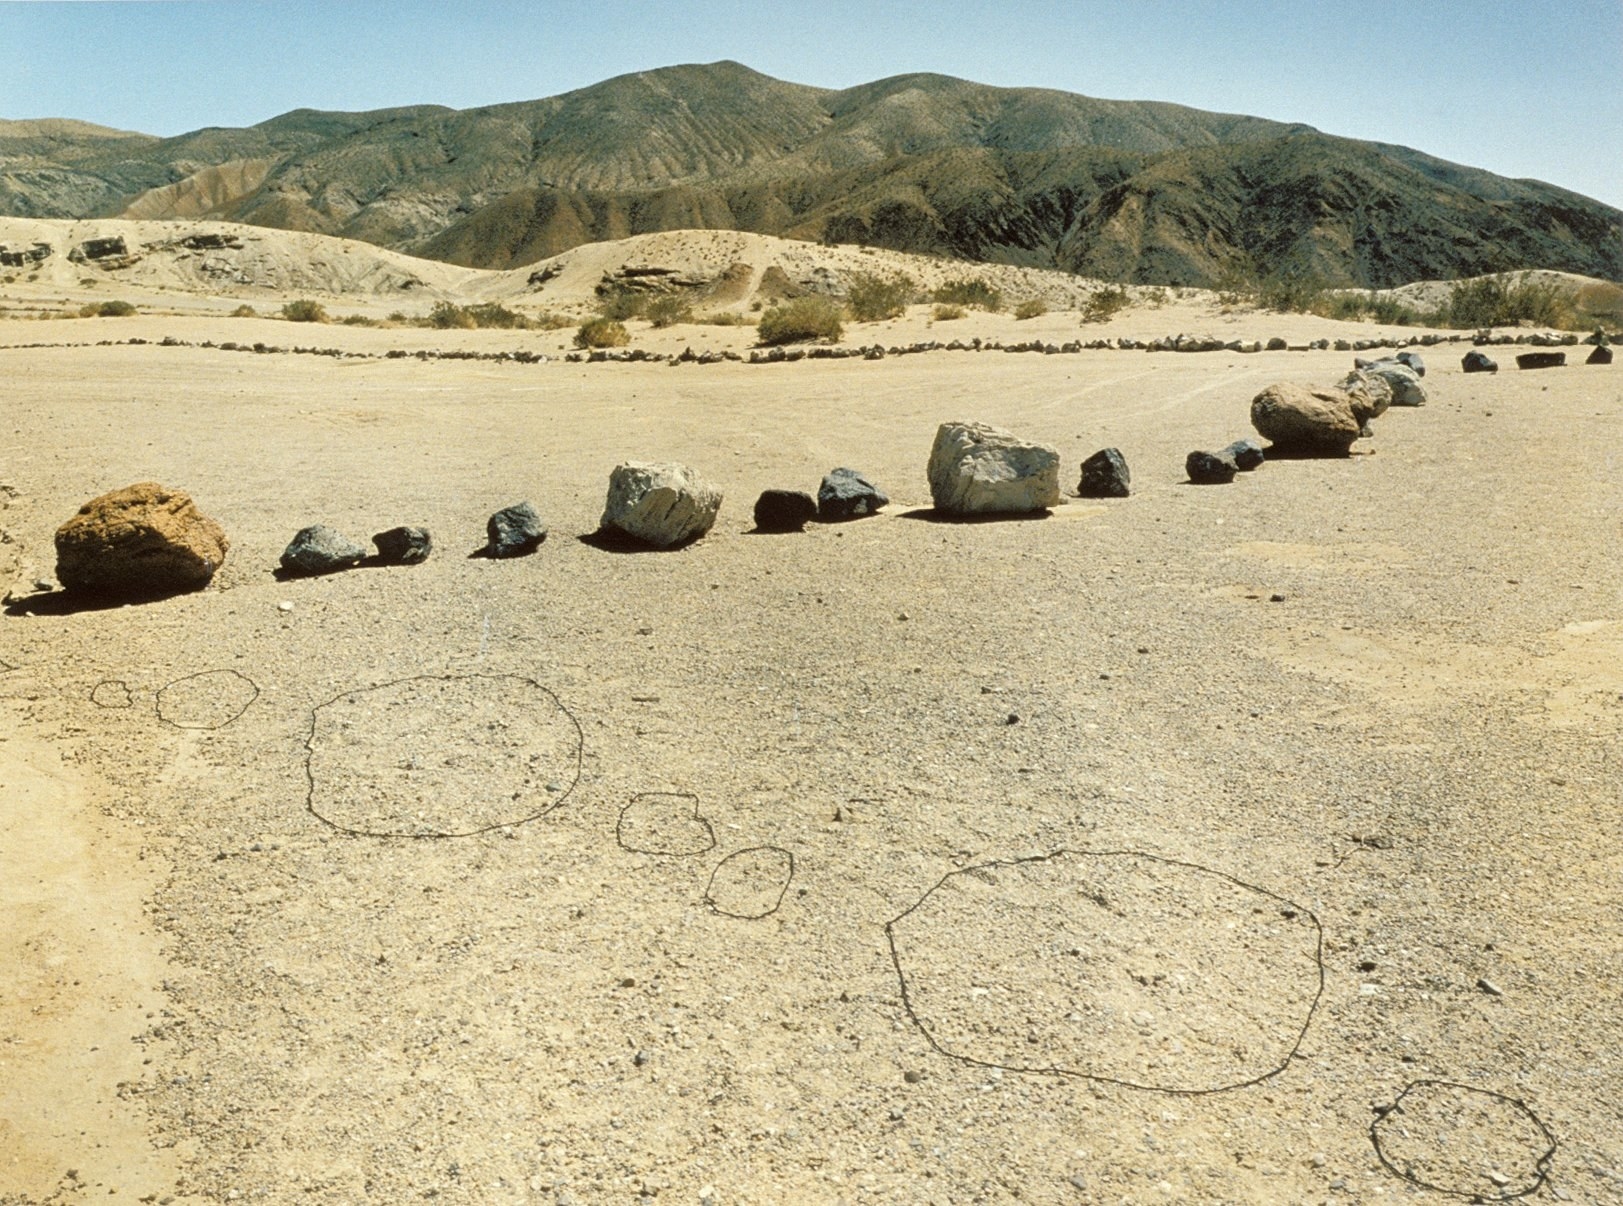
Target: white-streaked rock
[(976, 469)]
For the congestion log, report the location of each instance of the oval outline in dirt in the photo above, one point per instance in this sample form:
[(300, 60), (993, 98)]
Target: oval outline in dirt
[(186, 678), (309, 758), (1541, 1165), (788, 878), (1293, 1047)]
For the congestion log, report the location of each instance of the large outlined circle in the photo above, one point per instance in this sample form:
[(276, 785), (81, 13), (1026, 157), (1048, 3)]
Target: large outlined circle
[(209, 699), (1464, 1141), (438, 756), (1115, 966)]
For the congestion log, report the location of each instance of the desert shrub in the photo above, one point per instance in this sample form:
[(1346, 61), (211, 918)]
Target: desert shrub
[(1104, 304), (667, 310), (549, 320), (602, 332), (872, 298), (802, 319), (1032, 307), (304, 310), (947, 313), (621, 304), (245, 311), (1290, 292), (1155, 298), (107, 309), (358, 320), (497, 316), (1503, 301), (723, 318), (448, 316), (1599, 303), (968, 291)]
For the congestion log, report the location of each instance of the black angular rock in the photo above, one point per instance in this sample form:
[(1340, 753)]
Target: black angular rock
[(1541, 360), (319, 549), (784, 510), (1412, 359), (403, 546), (1105, 475), (847, 494), (1478, 362), (1246, 454), (1601, 355), (514, 531), (1210, 468)]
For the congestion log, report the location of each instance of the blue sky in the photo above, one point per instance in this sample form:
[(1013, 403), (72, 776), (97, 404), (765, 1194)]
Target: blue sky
[(1528, 88)]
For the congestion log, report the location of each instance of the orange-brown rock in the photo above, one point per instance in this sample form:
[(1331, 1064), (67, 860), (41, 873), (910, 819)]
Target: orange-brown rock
[(139, 542)]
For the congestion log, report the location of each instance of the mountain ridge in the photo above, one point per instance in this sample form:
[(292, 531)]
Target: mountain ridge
[(1144, 191)]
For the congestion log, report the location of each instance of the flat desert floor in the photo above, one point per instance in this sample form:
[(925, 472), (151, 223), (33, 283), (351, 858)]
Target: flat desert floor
[(1254, 843)]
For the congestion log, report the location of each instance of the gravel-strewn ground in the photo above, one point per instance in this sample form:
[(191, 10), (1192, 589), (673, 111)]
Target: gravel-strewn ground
[(1415, 746)]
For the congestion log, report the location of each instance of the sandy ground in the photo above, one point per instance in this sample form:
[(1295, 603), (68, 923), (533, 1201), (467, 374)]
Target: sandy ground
[(1317, 772)]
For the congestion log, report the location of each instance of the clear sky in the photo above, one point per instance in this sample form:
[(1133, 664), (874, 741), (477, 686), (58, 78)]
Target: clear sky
[(1519, 87)]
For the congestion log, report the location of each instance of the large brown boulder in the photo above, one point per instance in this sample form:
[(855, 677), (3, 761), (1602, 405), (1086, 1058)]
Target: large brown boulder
[(139, 542), (1304, 420)]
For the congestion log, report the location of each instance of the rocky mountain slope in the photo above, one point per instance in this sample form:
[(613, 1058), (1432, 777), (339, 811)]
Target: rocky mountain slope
[(1138, 191)]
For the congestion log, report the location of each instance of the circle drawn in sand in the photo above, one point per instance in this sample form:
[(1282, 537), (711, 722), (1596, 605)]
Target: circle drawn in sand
[(1468, 1142), (441, 756), (112, 693), (664, 822), (1115, 966), (750, 884), (209, 699)]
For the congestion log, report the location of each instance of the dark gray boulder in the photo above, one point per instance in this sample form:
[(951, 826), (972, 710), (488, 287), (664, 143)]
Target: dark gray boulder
[(784, 510), (1601, 355), (1210, 468), (1478, 362), (1105, 475), (1412, 359), (1541, 360), (514, 531), (319, 549), (847, 494), (403, 546), (1246, 454)]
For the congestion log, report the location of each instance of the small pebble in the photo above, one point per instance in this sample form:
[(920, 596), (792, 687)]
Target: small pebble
[(912, 1077), (1489, 987), (1276, 598), (1014, 718), (285, 605)]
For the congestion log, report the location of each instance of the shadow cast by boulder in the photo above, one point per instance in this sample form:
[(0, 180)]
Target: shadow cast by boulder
[(68, 603), (612, 540), (932, 515)]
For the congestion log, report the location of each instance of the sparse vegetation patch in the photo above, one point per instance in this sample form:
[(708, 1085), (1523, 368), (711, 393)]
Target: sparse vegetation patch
[(1032, 307), (107, 309), (1105, 304), (969, 291)]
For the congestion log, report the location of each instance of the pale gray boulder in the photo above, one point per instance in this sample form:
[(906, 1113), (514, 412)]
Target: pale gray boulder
[(661, 504), (976, 469)]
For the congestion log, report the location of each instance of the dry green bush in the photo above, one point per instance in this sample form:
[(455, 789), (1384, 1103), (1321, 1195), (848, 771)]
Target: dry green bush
[(106, 309), (667, 310), (1032, 307), (304, 310), (873, 298), (968, 291), (602, 332), (1105, 304), (800, 320), (946, 313), (245, 311)]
